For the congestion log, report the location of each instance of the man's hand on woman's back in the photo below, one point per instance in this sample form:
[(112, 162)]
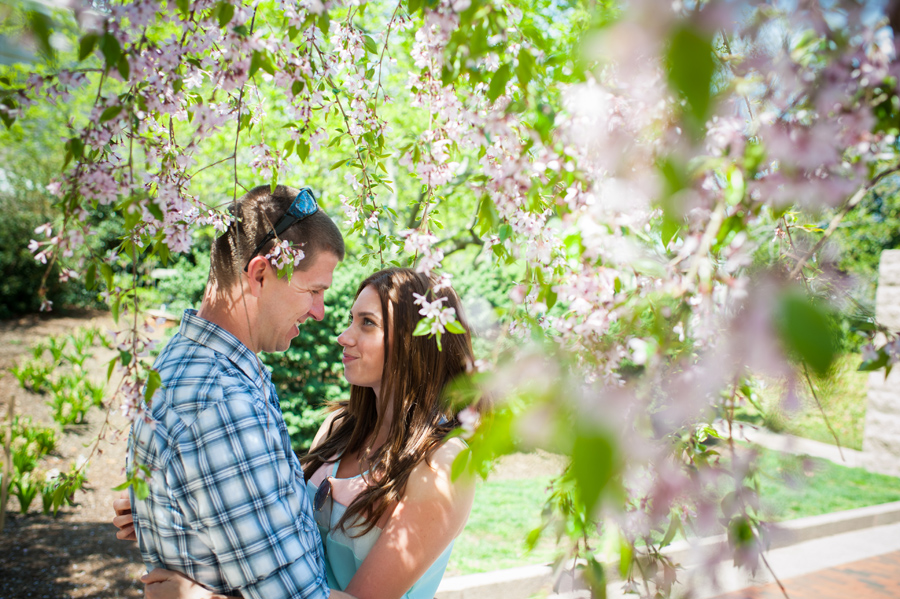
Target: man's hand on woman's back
[(124, 521)]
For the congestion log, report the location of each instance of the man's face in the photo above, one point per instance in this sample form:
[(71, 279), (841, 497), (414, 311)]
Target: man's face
[(284, 306)]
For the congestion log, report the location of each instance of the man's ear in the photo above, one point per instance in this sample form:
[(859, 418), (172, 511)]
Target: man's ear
[(257, 272)]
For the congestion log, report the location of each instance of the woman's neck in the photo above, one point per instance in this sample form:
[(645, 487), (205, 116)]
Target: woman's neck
[(386, 416)]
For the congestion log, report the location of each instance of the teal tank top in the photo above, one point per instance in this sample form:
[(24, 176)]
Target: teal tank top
[(344, 554)]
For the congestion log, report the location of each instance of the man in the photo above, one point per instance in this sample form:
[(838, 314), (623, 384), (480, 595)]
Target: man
[(228, 505)]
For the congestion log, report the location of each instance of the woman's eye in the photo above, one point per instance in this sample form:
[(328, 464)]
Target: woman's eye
[(368, 322)]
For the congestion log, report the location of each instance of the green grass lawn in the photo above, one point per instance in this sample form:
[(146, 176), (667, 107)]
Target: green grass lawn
[(842, 394), (505, 511), (791, 487)]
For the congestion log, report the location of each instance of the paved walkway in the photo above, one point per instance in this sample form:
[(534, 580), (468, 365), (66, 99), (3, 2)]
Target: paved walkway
[(863, 564), (842, 559), (873, 578)]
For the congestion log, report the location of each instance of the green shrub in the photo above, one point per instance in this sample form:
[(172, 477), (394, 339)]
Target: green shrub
[(182, 282), (20, 273)]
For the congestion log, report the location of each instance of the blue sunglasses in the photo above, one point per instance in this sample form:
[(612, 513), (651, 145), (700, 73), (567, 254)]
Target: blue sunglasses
[(303, 206)]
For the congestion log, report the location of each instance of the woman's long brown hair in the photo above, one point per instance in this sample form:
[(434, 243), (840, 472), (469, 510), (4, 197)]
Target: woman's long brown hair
[(413, 379)]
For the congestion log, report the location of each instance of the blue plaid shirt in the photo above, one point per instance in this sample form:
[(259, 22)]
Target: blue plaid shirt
[(228, 504)]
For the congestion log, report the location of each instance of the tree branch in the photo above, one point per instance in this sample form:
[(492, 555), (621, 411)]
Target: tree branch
[(832, 227)]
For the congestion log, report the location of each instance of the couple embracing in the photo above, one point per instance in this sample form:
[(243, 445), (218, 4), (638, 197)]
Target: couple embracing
[(371, 510)]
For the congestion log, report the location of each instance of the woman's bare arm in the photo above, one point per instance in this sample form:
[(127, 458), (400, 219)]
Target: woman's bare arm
[(431, 514)]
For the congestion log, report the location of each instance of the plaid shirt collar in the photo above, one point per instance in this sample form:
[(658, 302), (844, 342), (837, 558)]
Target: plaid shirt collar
[(219, 340)]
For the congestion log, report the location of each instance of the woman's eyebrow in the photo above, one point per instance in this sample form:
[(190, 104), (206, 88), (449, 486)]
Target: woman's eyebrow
[(367, 314)]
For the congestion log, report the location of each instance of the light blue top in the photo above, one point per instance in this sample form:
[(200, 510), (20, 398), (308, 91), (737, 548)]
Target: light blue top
[(344, 554)]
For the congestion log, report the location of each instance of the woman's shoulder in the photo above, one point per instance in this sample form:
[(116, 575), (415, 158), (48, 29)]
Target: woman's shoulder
[(325, 428), (433, 475), (447, 451)]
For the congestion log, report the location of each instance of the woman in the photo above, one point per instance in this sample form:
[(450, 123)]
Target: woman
[(379, 467)]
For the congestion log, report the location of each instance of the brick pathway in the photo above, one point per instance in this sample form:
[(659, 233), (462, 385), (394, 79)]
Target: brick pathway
[(874, 578)]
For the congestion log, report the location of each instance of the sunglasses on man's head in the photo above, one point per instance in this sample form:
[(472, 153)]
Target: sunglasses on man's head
[(303, 206)]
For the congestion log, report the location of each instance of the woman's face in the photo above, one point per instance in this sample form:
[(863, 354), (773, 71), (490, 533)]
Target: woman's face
[(363, 342)]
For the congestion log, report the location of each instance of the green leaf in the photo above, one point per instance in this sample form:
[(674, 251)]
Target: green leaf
[(877, 364), (184, 6), (297, 86), (155, 210), (414, 6), (77, 147), (423, 327), (595, 575), (110, 113), (107, 272), (225, 13), (690, 69), (42, 27), (272, 185), (255, 63), (154, 382), (302, 150), (736, 187), (141, 489), (111, 368), (124, 67), (90, 277), (339, 163), (123, 486), (461, 463), (626, 554), (455, 327), (261, 60), (370, 45), (806, 330), (668, 230), (498, 82), (531, 540), (674, 525), (111, 49), (87, 44), (592, 466), (525, 69)]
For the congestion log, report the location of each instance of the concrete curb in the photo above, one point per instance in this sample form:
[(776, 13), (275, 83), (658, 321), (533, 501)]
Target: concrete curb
[(527, 581)]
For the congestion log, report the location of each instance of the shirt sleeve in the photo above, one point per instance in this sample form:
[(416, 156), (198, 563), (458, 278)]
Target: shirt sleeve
[(245, 499)]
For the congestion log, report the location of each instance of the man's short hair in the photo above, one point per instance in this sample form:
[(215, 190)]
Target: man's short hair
[(256, 214)]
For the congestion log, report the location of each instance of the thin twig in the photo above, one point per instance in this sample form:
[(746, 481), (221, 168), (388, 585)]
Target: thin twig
[(387, 38), (825, 416), (7, 462), (217, 162), (772, 572), (832, 227)]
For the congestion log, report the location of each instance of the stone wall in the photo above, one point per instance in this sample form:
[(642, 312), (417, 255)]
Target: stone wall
[(881, 441)]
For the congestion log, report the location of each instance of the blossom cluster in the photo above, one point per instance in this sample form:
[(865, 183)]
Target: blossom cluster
[(284, 255)]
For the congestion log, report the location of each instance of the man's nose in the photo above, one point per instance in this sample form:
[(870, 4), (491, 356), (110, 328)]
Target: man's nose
[(317, 312)]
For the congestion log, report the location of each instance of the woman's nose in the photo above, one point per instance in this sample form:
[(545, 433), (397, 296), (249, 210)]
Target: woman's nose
[(344, 339)]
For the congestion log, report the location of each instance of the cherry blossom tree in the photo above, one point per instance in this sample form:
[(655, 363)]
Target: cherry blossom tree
[(655, 170)]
